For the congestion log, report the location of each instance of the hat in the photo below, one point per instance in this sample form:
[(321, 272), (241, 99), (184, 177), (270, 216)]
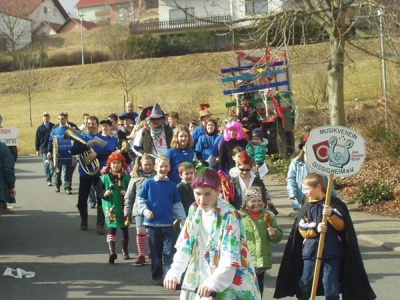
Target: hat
[(156, 112), (194, 122), (106, 121), (257, 132), (173, 114), (126, 115), (206, 177), (304, 141), (46, 114), (205, 112)]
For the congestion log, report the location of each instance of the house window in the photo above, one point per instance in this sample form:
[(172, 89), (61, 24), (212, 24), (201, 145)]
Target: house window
[(121, 13), (255, 7), (179, 14), (151, 4)]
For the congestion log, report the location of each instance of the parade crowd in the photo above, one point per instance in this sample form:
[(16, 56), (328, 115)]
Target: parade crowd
[(203, 216)]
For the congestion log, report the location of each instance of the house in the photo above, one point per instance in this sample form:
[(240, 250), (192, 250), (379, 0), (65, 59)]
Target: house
[(117, 11), (74, 24), (15, 32), (46, 16)]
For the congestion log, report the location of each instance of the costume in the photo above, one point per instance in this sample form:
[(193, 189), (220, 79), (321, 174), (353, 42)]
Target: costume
[(7, 173), (224, 248), (147, 142), (257, 152), (353, 278), (239, 189), (225, 153), (187, 196), (177, 156)]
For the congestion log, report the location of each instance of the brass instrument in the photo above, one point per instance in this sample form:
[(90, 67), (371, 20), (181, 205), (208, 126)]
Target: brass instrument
[(125, 147), (90, 168)]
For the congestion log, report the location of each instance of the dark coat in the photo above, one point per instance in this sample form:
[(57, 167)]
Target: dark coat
[(7, 173), (238, 197), (353, 278)]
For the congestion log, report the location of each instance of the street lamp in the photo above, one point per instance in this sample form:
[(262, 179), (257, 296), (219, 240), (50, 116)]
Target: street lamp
[(82, 45)]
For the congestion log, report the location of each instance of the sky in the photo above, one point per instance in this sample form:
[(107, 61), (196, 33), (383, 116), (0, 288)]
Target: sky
[(69, 5)]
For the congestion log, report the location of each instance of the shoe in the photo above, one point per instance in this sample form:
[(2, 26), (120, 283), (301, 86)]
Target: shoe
[(158, 281), (68, 191), (125, 255), (49, 183), (100, 229), (140, 260), (84, 225), (57, 189), (92, 205), (112, 257)]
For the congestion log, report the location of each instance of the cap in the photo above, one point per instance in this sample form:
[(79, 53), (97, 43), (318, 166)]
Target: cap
[(126, 115), (106, 121), (194, 122), (257, 132), (46, 114)]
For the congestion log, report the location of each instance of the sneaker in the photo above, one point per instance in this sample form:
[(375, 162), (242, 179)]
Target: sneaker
[(140, 260), (57, 189), (84, 225), (49, 183), (68, 191), (92, 205)]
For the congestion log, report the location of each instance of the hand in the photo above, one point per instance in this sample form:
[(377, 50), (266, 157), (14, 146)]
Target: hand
[(149, 214), (48, 155), (322, 227), (327, 211), (107, 193), (204, 291), (170, 283), (122, 193), (271, 231)]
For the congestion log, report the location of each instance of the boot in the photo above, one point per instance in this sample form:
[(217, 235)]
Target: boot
[(112, 256), (125, 253), (84, 219), (100, 221)]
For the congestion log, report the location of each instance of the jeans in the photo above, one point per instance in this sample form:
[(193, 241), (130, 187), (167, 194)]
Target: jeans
[(92, 196), (69, 171), (161, 246), (48, 167), (330, 269)]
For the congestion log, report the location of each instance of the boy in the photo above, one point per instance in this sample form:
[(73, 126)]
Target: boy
[(257, 149), (160, 202), (234, 172), (341, 255), (186, 173)]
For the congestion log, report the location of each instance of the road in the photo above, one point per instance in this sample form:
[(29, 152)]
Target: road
[(43, 236)]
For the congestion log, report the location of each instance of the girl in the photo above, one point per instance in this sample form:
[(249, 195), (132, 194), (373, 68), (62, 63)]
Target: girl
[(144, 169), (212, 247), (111, 189), (233, 136), (207, 141), (261, 229), (180, 151), (247, 179)]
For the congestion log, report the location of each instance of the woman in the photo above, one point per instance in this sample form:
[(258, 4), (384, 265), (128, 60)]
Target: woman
[(207, 142), (212, 247)]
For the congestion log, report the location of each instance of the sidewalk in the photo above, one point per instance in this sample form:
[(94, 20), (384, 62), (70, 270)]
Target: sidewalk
[(373, 229)]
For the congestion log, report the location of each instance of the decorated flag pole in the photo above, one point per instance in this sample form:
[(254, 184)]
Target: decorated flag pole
[(334, 151)]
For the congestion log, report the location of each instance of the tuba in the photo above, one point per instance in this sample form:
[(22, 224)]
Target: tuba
[(125, 147), (91, 168)]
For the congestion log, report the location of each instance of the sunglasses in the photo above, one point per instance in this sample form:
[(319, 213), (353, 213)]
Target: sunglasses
[(244, 170)]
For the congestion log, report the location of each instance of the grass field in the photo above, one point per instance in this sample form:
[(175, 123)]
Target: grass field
[(177, 83)]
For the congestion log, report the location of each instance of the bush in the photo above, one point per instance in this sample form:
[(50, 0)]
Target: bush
[(278, 164), (370, 193)]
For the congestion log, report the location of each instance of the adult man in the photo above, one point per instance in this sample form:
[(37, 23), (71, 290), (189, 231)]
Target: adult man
[(205, 115), (156, 139), (121, 136), (42, 144), (7, 177), (58, 132), (100, 150), (85, 117), (173, 119), (248, 114)]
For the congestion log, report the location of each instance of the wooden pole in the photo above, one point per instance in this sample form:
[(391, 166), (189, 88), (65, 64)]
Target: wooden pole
[(321, 240)]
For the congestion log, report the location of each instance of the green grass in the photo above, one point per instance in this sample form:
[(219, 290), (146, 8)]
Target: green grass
[(177, 83)]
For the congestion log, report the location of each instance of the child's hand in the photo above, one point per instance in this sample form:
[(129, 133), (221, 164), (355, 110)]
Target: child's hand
[(122, 192), (327, 211), (204, 291), (170, 283), (107, 193), (322, 227), (271, 231), (148, 214)]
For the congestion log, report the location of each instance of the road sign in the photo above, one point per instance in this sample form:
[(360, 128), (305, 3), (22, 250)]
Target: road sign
[(335, 150)]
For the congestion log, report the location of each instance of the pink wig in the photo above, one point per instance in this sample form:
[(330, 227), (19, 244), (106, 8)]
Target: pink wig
[(233, 125)]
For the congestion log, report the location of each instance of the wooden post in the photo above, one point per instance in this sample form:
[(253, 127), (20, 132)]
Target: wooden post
[(321, 240)]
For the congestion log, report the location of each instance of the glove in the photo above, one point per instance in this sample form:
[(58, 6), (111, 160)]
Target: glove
[(295, 203)]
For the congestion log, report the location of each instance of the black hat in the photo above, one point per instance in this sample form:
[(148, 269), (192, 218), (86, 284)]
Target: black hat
[(257, 132), (106, 121)]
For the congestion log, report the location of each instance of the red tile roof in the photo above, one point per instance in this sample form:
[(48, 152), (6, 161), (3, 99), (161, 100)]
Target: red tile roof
[(88, 3), (22, 8)]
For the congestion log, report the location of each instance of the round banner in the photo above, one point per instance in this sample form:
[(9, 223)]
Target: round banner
[(335, 150)]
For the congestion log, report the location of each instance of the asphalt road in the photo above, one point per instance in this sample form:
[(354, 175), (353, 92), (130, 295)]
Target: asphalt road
[(43, 236)]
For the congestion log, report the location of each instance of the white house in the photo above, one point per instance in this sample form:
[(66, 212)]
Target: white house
[(15, 33)]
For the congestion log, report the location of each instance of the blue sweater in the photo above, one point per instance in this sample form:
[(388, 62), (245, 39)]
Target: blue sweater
[(177, 156), (163, 199)]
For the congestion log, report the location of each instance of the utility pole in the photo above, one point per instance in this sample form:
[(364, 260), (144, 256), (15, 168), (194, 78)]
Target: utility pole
[(82, 45), (383, 62)]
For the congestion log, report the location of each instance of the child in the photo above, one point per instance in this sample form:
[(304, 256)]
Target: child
[(342, 269), (111, 189), (247, 179), (180, 151), (144, 169), (160, 203), (261, 229), (186, 172), (257, 149), (234, 172), (212, 247)]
